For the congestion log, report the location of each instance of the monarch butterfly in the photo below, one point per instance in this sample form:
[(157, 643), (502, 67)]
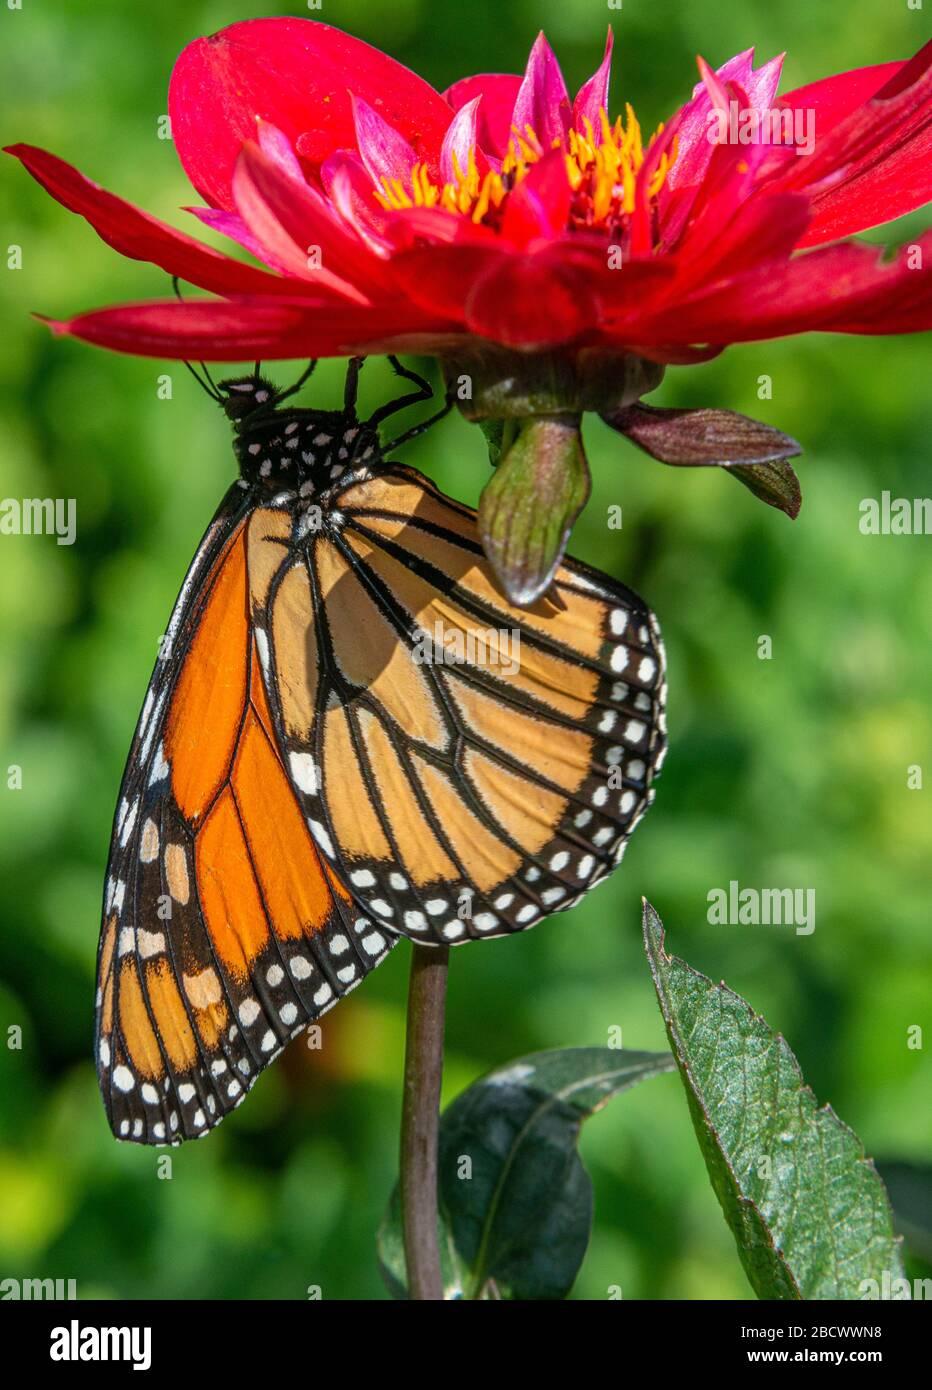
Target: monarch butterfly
[(337, 748)]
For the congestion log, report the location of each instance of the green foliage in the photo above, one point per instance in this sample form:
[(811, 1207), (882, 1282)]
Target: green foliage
[(791, 770), (516, 1200), (805, 1205)]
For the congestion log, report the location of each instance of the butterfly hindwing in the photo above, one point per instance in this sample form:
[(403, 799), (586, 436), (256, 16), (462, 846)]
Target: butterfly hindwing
[(224, 933), (466, 766)]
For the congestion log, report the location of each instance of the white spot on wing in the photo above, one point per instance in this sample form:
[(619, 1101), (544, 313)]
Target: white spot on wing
[(322, 838), (248, 1012), (128, 824), (151, 943), (304, 774), (160, 767)]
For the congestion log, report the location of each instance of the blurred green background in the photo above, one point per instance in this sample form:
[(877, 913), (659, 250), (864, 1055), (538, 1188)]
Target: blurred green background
[(788, 772)]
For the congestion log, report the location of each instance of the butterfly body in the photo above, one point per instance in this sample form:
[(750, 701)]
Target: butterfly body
[(296, 450), (350, 736)]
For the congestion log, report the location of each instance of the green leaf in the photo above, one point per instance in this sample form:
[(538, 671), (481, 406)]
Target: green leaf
[(515, 1199), (494, 431), (804, 1203), (528, 506)]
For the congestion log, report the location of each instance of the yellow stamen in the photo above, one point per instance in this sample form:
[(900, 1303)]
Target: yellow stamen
[(602, 174)]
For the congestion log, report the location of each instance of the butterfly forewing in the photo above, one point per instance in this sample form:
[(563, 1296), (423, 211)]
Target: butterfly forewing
[(224, 933)]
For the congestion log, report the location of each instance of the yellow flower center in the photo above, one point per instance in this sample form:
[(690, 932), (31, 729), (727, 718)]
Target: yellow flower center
[(602, 176)]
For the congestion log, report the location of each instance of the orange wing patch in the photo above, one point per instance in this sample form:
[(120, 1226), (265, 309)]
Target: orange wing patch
[(225, 932), (207, 704), (282, 855)]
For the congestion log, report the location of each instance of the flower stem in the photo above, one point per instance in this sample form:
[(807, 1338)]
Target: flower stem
[(420, 1115)]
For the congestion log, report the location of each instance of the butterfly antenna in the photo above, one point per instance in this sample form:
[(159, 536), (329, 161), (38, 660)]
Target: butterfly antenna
[(207, 374), (207, 384)]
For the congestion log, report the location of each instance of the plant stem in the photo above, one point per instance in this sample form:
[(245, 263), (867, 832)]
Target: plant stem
[(420, 1115)]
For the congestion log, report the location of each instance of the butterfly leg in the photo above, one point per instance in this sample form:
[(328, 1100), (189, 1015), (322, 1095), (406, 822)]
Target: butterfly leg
[(415, 430), (351, 388), (401, 370), (423, 393), (292, 390)]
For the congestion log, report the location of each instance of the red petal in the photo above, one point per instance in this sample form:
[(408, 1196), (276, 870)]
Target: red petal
[(592, 96), (524, 301), (834, 289), (247, 329), (761, 229), (530, 302), (691, 123), (540, 205), (499, 92), (732, 173), (461, 137), (211, 330), (832, 98), (414, 227), (232, 225), (385, 153), (292, 218), (347, 184), (885, 148), (717, 89), (134, 233), (542, 102), (294, 73), (276, 146)]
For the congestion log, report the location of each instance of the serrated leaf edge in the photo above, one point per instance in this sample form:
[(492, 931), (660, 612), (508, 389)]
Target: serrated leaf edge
[(653, 926)]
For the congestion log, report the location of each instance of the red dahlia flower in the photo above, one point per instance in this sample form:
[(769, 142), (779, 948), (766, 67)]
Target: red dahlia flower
[(551, 255)]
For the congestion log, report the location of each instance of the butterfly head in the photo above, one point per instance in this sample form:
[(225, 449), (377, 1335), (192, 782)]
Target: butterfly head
[(243, 396)]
